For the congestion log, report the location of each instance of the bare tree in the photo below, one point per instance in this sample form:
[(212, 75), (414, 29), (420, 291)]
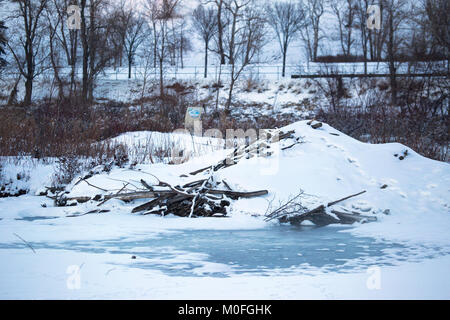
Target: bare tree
[(178, 40), (27, 54), (377, 37), (118, 19), (221, 25), (235, 9), (205, 23), (244, 39), (395, 17), (361, 8), (314, 10), (421, 44), (98, 47), (52, 24), (438, 23), (134, 32), (146, 63), (160, 13), (286, 19), (65, 39), (345, 10), (185, 43)]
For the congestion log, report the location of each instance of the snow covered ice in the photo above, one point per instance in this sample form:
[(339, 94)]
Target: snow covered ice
[(405, 254)]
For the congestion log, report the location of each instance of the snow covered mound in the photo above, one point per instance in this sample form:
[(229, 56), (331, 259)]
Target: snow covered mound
[(402, 186), (331, 165)]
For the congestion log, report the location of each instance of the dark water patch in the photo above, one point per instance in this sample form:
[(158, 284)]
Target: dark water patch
[(34, 218)]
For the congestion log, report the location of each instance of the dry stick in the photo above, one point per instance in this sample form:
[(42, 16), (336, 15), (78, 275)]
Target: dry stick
[(241, 150), (146, 185), (159, 181), (340, 200), (149, 205), (90, 184), (318, 209), (200, 190), (29, 245), (158, 193), (278, 212), (226, 185), (123, 181), (288, 147), (118, 192), (193, 183), (354, 217), (238, 194), (90, 212)]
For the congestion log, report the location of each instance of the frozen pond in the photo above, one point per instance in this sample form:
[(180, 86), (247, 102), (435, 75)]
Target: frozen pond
[(282, 249), (222, 253)]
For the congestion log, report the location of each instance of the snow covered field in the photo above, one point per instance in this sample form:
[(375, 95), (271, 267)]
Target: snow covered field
[(404, 255)]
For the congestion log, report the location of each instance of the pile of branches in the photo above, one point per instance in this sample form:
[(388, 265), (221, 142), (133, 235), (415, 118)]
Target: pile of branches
[(293, 212), (200, 198)]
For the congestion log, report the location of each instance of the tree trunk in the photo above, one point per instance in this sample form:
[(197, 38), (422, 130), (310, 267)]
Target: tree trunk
[(283, 73), (84, 40), (220, 33), (55, 66), (230, 96), (181, 48), (206, 60), (130, 60), (155, 48), (315, 44), (233, 35), (364, 45), (29, 73), (230, 91), (371, 46), (28, 91), (365, 62), (73, 62), (391, 57), (161, 77)]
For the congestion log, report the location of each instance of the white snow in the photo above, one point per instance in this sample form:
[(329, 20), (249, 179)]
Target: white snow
[(326, 167)]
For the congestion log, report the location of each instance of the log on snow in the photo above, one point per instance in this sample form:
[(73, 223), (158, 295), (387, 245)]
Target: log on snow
[(348, 218)]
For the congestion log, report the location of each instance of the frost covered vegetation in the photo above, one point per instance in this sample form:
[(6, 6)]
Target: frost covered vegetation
[(362, 110)]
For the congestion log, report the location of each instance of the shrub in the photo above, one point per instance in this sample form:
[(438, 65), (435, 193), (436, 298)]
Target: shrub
[(67, 168), (419, 122)]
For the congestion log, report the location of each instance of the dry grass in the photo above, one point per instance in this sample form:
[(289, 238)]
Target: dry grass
[(421, 121)]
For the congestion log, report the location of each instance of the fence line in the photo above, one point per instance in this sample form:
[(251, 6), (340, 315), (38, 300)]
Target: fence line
[(257, 71)]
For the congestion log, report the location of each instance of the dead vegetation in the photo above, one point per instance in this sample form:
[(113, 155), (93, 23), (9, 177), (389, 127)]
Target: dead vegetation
[(419, 121), (206, 197), (294, 212)]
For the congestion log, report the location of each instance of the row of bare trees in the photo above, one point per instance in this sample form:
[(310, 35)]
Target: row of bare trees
[(108, 33), (111, 33)]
